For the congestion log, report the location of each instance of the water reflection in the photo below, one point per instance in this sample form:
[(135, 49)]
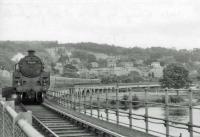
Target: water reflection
[(175, 114), (178, 114)]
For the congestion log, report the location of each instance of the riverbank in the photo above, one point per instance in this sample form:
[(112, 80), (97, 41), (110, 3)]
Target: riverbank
[(139, 101)]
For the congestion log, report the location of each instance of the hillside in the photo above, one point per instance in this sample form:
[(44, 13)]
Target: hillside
[(9, 48)]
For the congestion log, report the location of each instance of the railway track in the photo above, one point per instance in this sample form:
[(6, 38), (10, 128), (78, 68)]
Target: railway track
[(54, 123)]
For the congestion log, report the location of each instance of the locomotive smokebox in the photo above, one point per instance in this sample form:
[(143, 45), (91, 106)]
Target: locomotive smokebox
[(31, 52)]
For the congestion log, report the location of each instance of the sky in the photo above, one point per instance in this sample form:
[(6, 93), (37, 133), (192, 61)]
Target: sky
[(126, 23)]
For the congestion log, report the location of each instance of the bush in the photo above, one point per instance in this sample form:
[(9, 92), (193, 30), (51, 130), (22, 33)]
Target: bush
[(177, 112), (124, 102), (113, 102), (175, 99), (172, 99), (135, 98)]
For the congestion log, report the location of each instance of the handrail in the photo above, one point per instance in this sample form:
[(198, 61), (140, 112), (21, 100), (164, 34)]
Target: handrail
[(28, 129), (17, 120), (84, 99)]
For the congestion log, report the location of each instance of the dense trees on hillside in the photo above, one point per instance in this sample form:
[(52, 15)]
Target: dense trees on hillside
[(84, 56), (84, 52), (166, 55), (10, 48)]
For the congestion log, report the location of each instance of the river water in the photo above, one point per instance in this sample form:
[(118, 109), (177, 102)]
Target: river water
[(175, 114)]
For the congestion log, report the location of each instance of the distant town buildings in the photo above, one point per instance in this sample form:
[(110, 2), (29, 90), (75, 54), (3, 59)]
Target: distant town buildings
[(155, 64), (74, 60), (111, 62), (139, 62), (157, 70), (59, 67), (114, 66), (127, 64), (95, 65), (5, 73)]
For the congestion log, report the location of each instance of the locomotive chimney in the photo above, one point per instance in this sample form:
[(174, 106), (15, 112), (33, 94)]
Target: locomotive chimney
[(31, 52)]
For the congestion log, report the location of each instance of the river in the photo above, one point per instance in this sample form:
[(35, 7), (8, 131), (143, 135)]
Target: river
[(175, 114)]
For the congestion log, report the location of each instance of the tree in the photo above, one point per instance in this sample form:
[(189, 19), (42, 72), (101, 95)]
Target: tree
[(198, 74), (135, 76), (70, 71), (63, 59), (91, 58), (175, 76), (182, 57), (102, 63)]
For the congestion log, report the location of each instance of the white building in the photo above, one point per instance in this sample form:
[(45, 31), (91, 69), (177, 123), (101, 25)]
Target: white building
[(112, 62), (5, 73), (155, 64), (59, 67), (156, 70), (127, 64), (95, 65)]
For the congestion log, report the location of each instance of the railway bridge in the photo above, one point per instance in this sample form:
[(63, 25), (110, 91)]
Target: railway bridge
[(116, 110)]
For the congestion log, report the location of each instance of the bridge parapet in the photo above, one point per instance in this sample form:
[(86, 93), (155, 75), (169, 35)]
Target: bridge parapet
[(112, 105), (14, 124), (119, 85)]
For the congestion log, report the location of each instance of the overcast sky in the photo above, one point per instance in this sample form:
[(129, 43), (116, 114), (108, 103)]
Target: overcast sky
[(127, 23)]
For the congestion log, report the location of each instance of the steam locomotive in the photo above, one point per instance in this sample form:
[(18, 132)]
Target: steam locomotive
[(29, 82)]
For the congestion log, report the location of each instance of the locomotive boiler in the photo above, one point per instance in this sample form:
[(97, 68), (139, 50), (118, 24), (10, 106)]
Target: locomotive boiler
[(30, 81)]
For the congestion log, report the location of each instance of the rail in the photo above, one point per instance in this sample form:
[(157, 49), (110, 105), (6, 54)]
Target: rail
[(14, 124), (98, 103), (97, 128)]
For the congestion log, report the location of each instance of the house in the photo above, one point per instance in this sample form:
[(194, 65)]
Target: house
[(57, 52), (129, 69), (101, 71), (63, 59), (193, 74), (79, 66), (139, 62), (75, 60), (59, 67), (111, 62), (156, 70), (5, 74), (155, 64), (119, 71), (84, 73), (127, 64), (94, 65)]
